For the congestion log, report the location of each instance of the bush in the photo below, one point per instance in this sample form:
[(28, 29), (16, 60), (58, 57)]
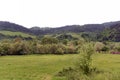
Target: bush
[(105, 48), (118, 48), (19, 48), (4, 48), (70, 50), (50, 49), (84, 64), (99, 46), (49, 40), (65, 41)]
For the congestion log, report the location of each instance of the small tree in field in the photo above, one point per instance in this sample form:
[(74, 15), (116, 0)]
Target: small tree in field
[(83, 67), (84, 63)]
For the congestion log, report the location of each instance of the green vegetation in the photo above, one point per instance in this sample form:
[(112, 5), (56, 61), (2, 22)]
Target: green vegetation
[(10, 33), (47, 45), (92, 62), (73, 52), (50, 45), (45, 67), (49, 40)]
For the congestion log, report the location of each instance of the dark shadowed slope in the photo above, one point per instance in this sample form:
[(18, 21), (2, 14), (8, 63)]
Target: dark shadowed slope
[(8, 26)]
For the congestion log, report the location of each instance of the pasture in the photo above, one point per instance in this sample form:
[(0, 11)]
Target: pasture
[(45, 67)]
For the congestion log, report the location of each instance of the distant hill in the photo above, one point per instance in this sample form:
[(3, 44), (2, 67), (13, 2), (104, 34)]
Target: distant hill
[(75, 28), (104, 31), (68, 28), (8, 26), (85, 28), (11, 30), (109, 24)]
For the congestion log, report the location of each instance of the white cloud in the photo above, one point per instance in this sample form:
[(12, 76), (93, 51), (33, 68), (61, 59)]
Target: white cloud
[(55, 13)]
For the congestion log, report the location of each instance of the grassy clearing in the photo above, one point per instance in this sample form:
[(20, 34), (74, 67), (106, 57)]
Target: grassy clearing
[(10, 33), (44, 67)]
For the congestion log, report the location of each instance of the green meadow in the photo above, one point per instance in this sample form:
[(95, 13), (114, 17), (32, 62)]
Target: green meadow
[(45, 67)]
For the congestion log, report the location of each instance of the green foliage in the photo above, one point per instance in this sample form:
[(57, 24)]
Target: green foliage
[(4, 48), (70, 49), (84, 64), (105, 48), (19, 48), (50, 49), (47, 45), (89, 36), (65, 41), (67, 36), (105, 35), (83, 68), (55, 49), (49, 40), (118, 49), (99, 46)]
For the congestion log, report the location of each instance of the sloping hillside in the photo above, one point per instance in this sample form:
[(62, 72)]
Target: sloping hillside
[(10, 33), (104, 31), (13, 27), (111, 33)]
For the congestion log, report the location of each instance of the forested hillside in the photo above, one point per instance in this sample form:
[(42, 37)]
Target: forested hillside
[(108, 31)]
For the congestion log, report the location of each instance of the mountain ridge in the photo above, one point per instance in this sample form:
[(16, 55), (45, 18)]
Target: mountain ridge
[(5, 25), (112, 27)]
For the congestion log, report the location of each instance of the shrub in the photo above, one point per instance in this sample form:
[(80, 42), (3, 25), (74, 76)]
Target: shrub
[(81, 42), (50, 49), (65, 41), (99, 46), (49, 40), (84, 64), (4, 48), (105, 48), (70, 50), (118, 49), (19, 48), (60, 51)]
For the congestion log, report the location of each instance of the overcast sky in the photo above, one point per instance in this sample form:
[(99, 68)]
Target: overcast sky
[(56, 13)]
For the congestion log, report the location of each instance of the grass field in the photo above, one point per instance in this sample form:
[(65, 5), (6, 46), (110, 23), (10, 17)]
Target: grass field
[(45, 67), (10, 33)]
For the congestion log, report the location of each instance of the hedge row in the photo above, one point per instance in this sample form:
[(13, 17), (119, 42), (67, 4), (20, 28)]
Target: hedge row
[(23, 48)]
